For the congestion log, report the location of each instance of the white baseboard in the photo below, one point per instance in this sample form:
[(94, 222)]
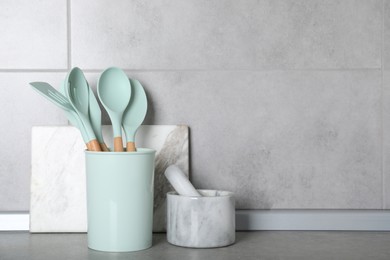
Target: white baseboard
[(249, 220), (14, 221), (353, 220)]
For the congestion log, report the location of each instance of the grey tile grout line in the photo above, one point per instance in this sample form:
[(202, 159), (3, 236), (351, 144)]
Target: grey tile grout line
[(193, 70), (382, 107), (68, 31), (233, 70), (68, 38), (31, 70)]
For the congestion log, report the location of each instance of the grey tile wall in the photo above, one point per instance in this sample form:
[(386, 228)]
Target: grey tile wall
[(286, 100), (21, 108), (226, 34), (33, 34)]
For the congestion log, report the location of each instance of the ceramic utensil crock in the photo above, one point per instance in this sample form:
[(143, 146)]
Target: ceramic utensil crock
[(120, 200)]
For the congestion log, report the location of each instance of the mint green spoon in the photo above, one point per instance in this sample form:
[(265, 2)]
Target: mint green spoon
[(114, 92), (134, 114), (77, 91)]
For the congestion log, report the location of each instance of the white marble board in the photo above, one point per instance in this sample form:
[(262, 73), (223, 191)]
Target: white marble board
[(58, 194)]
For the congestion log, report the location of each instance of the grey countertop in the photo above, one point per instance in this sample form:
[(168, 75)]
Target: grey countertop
[(249, 245)]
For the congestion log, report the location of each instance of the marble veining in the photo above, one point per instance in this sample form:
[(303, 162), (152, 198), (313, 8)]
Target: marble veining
[(174, 151), (201, 222), (58, 196)]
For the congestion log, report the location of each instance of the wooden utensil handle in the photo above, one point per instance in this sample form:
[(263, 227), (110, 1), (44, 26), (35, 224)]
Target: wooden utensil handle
[(104, 147), (94, 145), (118, 144), (130, 147)]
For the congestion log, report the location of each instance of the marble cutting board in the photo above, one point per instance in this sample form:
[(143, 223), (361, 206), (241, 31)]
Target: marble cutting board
[(58, 194)]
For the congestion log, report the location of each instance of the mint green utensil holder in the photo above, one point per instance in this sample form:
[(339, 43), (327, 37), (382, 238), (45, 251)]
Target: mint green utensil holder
[(120, 200)]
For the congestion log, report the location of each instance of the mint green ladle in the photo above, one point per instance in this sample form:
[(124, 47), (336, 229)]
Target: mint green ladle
[(134, 114), (114, 91)]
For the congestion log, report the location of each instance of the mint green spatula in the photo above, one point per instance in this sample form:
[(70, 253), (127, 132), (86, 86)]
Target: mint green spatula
[(94, 113), (114, 92), (74, 119), (95, 116), (134, 114), (61, 101), (77, 91)]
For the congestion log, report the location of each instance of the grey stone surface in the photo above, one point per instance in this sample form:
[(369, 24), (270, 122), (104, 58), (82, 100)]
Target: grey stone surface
[(226, 34), (249, 245), (33, 34), (21, 108)]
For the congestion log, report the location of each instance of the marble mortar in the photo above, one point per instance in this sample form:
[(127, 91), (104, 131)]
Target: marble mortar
[(201, 222)]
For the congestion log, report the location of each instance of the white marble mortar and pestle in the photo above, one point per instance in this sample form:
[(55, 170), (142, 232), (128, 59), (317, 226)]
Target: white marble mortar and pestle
[(198, 218)]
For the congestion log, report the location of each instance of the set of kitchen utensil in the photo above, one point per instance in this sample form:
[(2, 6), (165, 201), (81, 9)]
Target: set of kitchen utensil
[(124, 100), (120, 185)]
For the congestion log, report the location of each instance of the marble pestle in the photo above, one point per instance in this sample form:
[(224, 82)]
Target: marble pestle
[(180, 182)]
